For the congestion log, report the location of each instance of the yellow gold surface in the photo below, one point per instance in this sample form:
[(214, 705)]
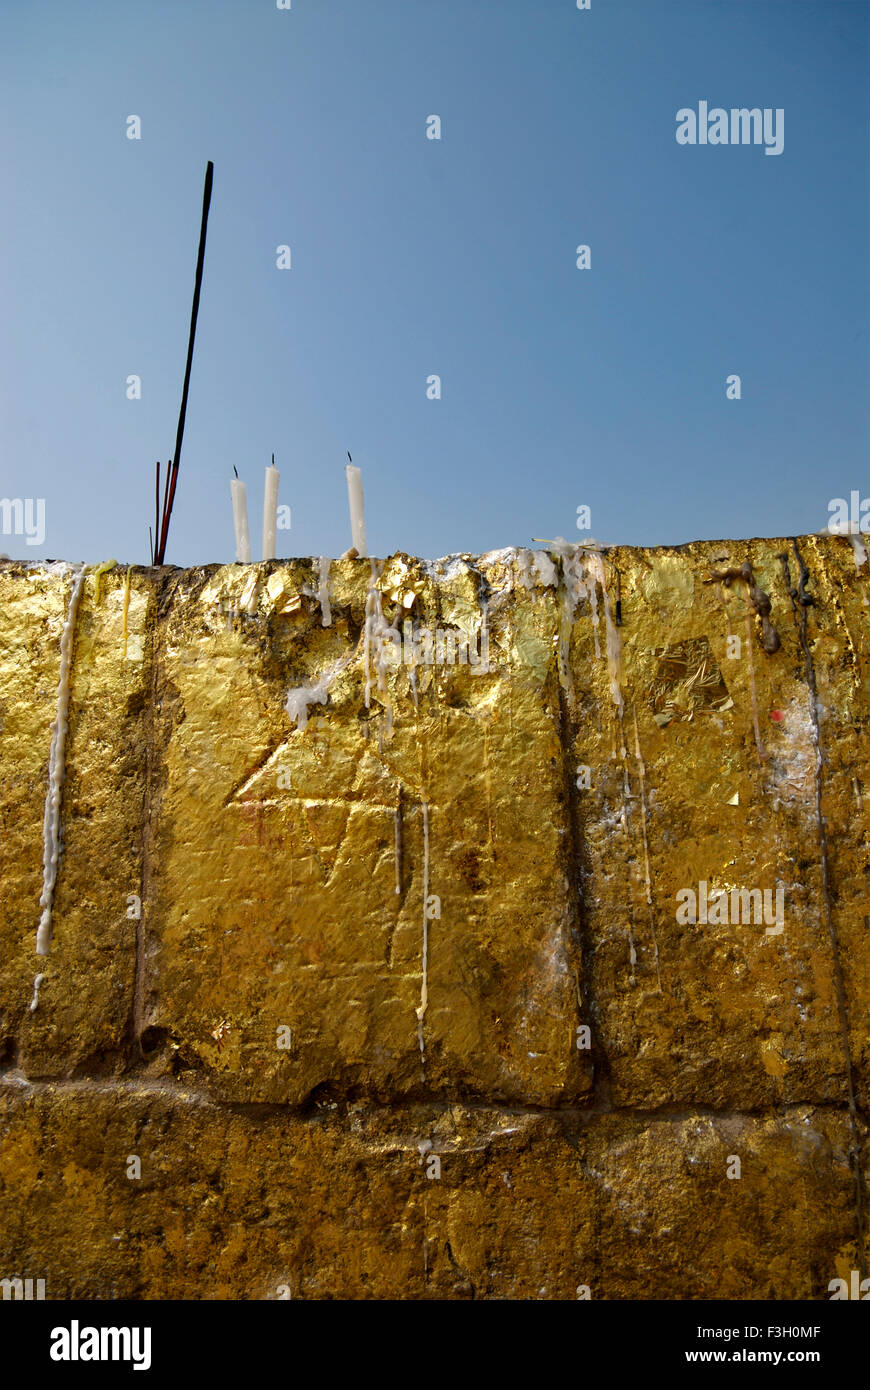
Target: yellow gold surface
[(423, 847)]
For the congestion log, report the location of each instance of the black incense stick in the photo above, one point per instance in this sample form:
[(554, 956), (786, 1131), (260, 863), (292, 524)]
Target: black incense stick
[(172, 468), (156, 508)]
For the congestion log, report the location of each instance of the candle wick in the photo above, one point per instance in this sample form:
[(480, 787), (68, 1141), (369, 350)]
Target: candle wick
[(235, 470), (349, 459), (273, 460)]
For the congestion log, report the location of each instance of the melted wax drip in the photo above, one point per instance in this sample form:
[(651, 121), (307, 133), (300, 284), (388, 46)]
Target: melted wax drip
[(56, 770)]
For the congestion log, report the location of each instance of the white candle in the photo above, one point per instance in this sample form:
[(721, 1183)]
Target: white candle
[(240, 520), (357, 515), (270, 511)]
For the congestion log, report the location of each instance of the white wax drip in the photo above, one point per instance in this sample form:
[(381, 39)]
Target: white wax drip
[(484, 638), (35, 1000), (380, 641), (641, 770), (298, 700), (424, 983), (545, 569), (56, 770), (537, 566), (323, 565), (398, 845), (573, 580), (573, 590), (595, 566), (593, 600), (370, 609)]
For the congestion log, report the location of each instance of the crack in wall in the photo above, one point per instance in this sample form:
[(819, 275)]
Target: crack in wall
[(14, 1081), (574, 877)]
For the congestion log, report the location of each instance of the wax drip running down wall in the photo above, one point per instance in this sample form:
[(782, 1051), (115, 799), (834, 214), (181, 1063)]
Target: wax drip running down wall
[(484, 636), (860, 551), (34, 1002), (126, 610), (398, 838), (378, 635), (595, 566), (56, 768), (298, 700), (375, 634), (573, 590), (577, 562), (424, 962), (323, 566)]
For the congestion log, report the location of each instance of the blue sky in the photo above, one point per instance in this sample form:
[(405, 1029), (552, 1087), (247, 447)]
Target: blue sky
[(411, 257)]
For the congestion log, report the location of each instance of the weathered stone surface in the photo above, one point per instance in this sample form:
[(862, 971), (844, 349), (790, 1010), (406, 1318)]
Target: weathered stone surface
[(723, 1014), (85, 998), (275, 902), (387, 912), (258, 1203)]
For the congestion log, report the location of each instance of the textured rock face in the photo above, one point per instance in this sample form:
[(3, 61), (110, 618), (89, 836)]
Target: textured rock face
[(410, 927)]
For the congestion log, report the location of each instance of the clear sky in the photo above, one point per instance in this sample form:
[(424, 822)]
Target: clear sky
[(413, 256)]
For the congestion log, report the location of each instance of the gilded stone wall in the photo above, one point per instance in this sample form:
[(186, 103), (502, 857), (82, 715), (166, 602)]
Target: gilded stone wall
[(382, 964)]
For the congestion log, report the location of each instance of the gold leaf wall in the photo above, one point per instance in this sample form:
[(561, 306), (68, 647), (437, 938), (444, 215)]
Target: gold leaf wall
[(369, 936)]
